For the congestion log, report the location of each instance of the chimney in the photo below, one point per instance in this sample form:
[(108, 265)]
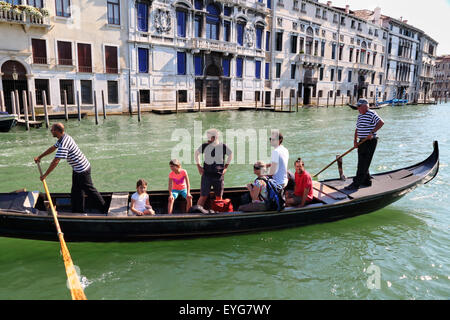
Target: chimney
[(347, 9), (329, 3), (377, 15)]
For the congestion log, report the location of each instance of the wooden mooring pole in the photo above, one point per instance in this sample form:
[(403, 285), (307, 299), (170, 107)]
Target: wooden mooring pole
[(44, 99), (66, 115), (139, 104), (78, 106), (33, 112), (103, 105), (95, 107), (17, 103), (13, 102), (2, 102), (25, 108)]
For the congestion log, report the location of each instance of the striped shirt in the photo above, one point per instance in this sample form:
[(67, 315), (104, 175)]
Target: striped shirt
[(366, 123), (68, 149)]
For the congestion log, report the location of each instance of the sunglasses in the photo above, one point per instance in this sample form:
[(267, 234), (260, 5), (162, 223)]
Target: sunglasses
[(257, 168)]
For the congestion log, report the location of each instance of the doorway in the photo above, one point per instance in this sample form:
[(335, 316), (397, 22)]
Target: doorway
[(14, 78), (212, 93), (307, 96)]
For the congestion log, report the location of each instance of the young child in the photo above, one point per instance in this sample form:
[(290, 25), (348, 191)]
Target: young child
[(178, 185), (140, 203)]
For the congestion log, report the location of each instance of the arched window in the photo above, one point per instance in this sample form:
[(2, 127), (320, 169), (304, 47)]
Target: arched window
[(363, 52), (240, 26), (259, 34), (212, 22), (309, 40)]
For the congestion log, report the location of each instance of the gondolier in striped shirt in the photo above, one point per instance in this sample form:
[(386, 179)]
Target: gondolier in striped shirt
[(367, 126), (66, 148)]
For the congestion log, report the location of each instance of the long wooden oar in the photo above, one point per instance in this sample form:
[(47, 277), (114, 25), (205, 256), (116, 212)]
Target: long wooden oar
[(340, 157), (76, 290)]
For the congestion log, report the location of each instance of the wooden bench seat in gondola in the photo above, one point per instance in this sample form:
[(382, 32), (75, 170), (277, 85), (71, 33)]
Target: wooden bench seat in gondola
[(21, 200), (119, 205)]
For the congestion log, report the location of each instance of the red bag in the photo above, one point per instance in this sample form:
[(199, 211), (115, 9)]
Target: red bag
[(222, 205)]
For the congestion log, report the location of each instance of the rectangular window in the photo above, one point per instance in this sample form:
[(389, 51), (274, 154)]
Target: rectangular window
[(39, 48), (259, 33), (86, 92), (293, 44), (267, 40), (240, 34), (332, 75), (278, 70), (267, 70), (341, 51), (227, 11), (350, 76), (339, 75), (63, 8), (302, 45), (41, 85), (64, 53), (143, 60), (279, 41), (226, 67), (198, 65), (111, 59), (181, 63), (34, 3), (182, 96), (144, 96), (321, 74), (239, 67), (350, 58), (322, 49), (239, 95), (333, 51), (67, 86), (113, 12), (293, 67), (226, 31), (198, 90), (269, 4), (258, 69), (226, 90), (181, 23), (84, 57), (113, 92), (198, 20), (142, 16)]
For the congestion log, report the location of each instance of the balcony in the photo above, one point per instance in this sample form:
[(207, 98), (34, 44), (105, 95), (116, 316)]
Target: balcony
[(31, 18), (308, 80), (310, 60), (213, 45)]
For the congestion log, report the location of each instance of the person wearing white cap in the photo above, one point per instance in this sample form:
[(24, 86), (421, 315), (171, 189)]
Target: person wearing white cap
[(367, 126)]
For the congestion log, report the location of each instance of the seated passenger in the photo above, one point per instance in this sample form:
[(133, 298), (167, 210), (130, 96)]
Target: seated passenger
[(178, 185), (140, 204), (303, 192), (258, 191)]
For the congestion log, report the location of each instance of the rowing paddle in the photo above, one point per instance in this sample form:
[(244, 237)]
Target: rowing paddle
[(340, 157), (76, 290)]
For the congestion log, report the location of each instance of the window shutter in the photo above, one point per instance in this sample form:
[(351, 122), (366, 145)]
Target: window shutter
[(198, 62), (181, 63), (226, 67), (143, 60), (142, 16)]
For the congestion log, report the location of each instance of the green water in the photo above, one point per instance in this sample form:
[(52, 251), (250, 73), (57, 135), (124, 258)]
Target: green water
[(406, 242)]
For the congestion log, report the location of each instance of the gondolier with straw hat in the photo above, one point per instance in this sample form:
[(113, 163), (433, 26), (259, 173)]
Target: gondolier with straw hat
[(367, 126)]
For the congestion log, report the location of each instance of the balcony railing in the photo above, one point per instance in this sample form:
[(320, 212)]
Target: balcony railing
[(111, 70), (309, 59), (24, 18), (40, 60), (213, 45), (85, 69), (310, 80)]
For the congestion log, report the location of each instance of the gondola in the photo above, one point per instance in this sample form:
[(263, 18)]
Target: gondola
[(7, 121), (24, 214)]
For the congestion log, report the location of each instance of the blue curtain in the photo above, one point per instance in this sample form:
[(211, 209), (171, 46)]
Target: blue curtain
[(269, 4), (259, 32), (226, 67), (240, 34), (227, 11), (198, 64), (198, 4), (142, 16), (181, 24), (267, 40), (267, 70), (258, 69), (143, 60), (239, 67), (181, 63)]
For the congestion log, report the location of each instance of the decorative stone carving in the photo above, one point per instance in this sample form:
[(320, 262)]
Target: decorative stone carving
[(280, 22), (249, 36), (163, 21)]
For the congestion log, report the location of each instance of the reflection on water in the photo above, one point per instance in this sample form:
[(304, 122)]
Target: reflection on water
[(407, 241)]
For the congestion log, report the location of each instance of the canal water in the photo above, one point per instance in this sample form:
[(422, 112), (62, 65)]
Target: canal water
[(400, 252)]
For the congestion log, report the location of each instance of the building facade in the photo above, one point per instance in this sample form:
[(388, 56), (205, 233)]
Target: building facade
[(208, 53), (441, 88), (69, 50)]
